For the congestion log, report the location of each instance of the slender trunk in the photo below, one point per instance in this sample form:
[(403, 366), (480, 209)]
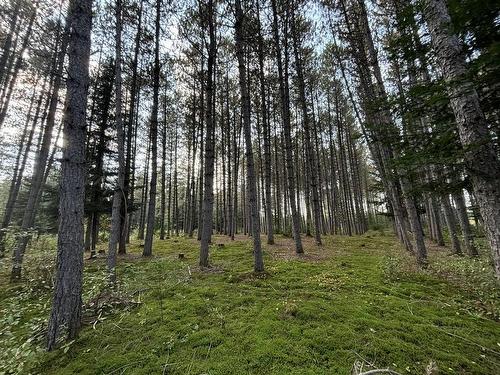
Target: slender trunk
[(164, 169), (463, 219), (241, 36), (119, 196), (40, 164), (17, 66), (130, 147), (153, 136), (266, 136), (208, 190), (7, 45), (285, 114), (451, 223)]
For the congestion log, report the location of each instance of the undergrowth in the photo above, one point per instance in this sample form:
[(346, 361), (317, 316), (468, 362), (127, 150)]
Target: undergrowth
[(355, 300)]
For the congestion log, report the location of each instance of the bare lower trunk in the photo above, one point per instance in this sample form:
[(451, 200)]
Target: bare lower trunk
[(67, 302), (415, 225), (463, 219), (285, 113), (310, 153), (153, 135), (267, 141), (208, 193), (451, 224), (241, 36)]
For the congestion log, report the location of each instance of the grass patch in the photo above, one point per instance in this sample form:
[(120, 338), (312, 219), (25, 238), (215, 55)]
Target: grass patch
[(358, 298)]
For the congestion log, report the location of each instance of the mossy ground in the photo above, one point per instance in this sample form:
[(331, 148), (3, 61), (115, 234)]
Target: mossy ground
[(354, 299)]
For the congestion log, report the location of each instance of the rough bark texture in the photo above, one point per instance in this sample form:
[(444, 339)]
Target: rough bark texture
[(241, 35), (481, 160), (208, 180), (415, 224), (67, 302)]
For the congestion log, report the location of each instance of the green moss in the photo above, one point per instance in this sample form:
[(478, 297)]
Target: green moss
[(354, 298)]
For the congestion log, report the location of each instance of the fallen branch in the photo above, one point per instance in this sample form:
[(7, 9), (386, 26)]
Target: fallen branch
[(469, 341)]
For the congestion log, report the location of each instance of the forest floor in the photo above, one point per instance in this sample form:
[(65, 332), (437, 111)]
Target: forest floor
[(356, 300)]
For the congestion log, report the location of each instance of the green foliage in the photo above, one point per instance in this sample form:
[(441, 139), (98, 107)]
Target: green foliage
[(356, 297)]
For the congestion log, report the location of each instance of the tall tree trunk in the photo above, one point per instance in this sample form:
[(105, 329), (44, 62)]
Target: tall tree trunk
[(153, 136), (67, 302), (7, 45), (20, 164), (119, 196), (131, 136), (241, 36), (285, 114), (208, 180), (17, 66), (266, 136), (481, 159), (144, 194), (40, 164), (164, 170)]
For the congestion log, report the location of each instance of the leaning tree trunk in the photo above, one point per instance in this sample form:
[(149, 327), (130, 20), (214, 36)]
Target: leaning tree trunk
[(481, 159), (15, 185), (7, 44), (241, 36), (40, 164), (67, 302), (17, 66)]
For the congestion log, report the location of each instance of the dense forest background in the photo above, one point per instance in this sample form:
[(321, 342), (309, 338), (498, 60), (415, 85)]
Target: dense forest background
[(126, 123)]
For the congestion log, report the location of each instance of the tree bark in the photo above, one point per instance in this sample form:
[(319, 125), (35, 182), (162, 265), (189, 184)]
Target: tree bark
[(463, 219), (208, 180), (153, 135), (451, 224), (240, 37), (119, 196), (67, 302), (266, 137), (480, 157)]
